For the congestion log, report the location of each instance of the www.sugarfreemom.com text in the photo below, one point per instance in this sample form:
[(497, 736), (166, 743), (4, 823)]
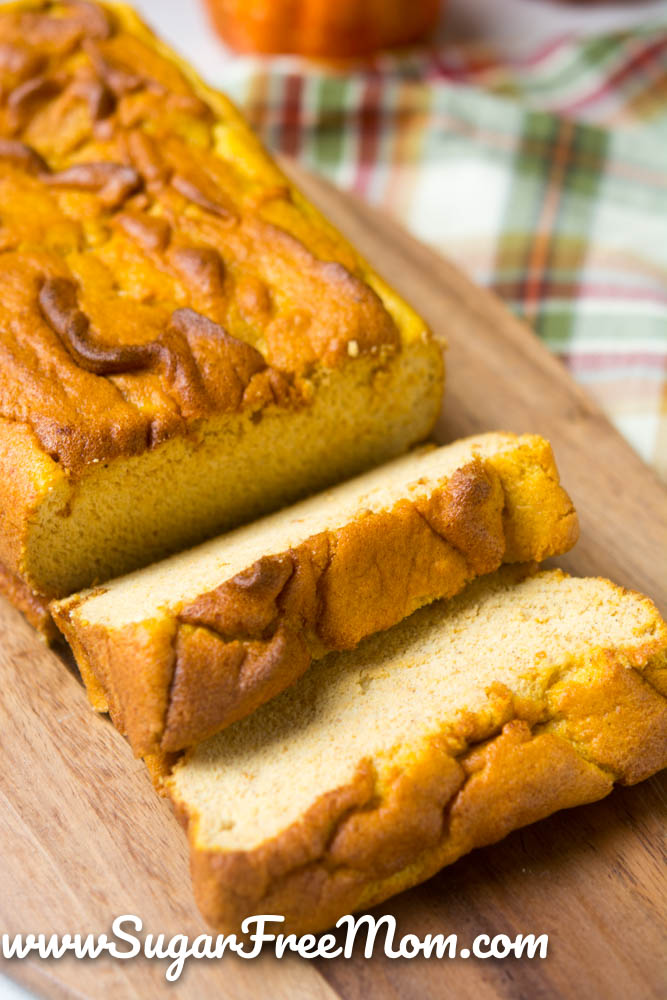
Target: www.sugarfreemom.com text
[(365, 932)]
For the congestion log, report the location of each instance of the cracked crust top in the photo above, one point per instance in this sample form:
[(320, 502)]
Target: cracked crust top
[(157, 267), (401, 759)]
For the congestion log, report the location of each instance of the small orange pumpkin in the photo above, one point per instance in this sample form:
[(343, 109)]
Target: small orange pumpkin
[(322, 27)]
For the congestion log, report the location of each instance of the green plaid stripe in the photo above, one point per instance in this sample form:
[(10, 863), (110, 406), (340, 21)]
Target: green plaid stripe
[(547, 218)]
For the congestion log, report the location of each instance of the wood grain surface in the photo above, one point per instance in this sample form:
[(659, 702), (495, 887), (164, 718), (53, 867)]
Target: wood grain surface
[(85, 838)]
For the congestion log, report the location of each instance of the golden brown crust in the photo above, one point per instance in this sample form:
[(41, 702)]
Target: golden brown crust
[(157, 267), (34, 607), (219, 658), (25, 476), (239, 675), (356, 845)]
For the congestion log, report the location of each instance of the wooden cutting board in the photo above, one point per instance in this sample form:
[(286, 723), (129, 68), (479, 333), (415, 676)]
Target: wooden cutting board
[(85, 838)]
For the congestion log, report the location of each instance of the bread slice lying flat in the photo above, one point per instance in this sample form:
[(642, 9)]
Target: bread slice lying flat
[(379, 766), (184, 648)]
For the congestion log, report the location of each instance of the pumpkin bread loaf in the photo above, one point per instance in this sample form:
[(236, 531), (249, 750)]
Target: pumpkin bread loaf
[(185, 343), (183, 648), (379, 766)]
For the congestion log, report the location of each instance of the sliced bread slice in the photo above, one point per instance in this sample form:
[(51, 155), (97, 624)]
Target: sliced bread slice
[(379, 766), (190, 645)]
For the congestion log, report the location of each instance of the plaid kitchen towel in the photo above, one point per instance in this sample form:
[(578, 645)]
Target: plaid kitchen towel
[(544, 178)]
